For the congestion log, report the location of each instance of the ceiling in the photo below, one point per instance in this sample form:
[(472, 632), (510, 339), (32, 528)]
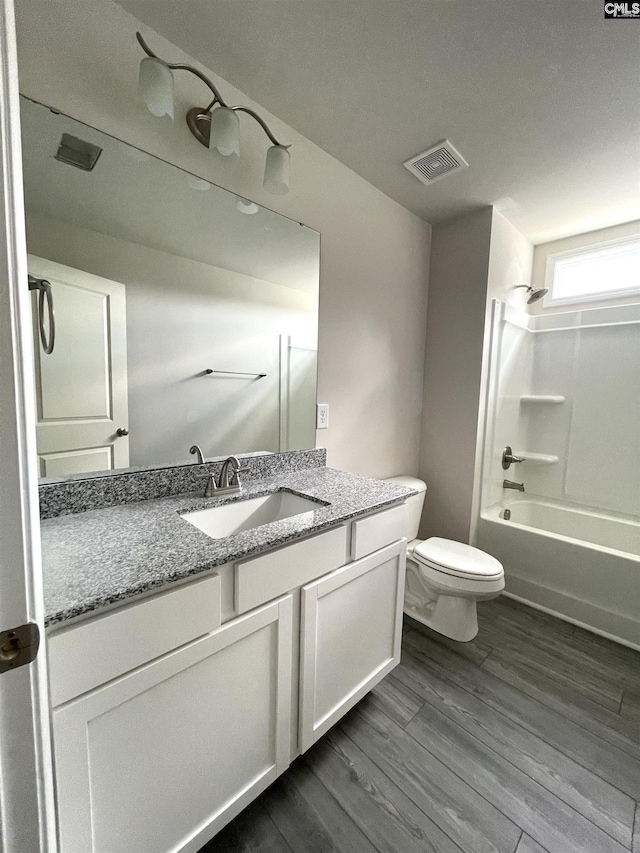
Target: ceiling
[(540, 96), (133, 196)]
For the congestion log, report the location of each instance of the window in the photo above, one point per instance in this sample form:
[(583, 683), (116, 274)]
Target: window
[(597, 272)]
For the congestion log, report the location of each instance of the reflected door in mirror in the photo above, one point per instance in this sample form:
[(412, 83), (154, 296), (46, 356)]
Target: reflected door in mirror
[(81, 387)]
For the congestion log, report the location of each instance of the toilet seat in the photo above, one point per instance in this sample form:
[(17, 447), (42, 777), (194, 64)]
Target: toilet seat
[(457, 559)]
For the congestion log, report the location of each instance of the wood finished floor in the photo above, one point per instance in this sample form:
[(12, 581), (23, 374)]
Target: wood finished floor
[(525, 740)]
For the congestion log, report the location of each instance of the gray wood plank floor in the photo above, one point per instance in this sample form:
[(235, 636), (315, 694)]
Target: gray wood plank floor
[(526, 740)]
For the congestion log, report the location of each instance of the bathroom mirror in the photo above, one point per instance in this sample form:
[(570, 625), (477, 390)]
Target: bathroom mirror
[(183, 314)]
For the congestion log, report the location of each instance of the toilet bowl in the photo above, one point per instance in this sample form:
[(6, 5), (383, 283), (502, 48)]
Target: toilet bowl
[(445, 578)]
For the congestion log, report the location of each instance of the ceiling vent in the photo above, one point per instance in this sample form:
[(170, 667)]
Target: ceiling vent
[(76, 152), (438, 162)]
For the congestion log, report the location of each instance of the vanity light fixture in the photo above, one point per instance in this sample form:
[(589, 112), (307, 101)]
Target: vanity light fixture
[(215, 126)]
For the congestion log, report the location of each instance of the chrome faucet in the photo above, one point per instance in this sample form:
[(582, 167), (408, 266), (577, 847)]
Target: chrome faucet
[(229, 475), (230, 482), (195, 448), (509, 484)]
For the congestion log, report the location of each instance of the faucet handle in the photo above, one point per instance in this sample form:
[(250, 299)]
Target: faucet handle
[(211, 488), (508, 458), (235, 478)]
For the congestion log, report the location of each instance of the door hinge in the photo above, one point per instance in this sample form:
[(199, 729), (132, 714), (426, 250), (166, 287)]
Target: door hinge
[(18, 646)]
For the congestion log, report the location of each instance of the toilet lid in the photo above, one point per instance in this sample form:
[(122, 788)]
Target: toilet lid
[(456, 558)]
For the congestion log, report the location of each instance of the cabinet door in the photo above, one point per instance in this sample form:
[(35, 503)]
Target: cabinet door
[(351, 623), (161, 759)]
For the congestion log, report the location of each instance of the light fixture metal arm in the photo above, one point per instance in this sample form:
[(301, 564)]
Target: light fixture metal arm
[(176, 66), (262, 124), (217, 97)]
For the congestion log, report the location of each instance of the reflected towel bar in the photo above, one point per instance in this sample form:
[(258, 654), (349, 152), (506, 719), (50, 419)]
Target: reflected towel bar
[(235, 373)]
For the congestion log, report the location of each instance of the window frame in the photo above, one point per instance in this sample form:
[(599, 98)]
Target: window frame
[(594, 248)]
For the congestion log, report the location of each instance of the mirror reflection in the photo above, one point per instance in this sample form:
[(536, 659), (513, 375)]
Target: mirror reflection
[(183, 314)]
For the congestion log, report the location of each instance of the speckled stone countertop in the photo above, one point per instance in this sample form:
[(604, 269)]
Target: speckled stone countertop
[(93, 559)]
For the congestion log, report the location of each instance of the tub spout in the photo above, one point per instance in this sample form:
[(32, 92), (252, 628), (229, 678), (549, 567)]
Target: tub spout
[(509, 484)]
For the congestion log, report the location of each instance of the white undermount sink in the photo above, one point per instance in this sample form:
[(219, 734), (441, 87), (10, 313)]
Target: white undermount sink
[(220, 521)]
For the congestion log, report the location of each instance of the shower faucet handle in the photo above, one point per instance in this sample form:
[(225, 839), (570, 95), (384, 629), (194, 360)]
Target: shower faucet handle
[(508, 458)]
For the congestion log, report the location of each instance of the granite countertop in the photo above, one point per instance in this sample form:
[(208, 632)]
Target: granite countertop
[(93, 559)]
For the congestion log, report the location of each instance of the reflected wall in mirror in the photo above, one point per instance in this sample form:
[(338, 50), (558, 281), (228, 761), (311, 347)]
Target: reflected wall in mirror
[(184, 314)]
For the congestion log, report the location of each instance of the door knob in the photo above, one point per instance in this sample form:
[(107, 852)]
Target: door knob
[(122, 431)]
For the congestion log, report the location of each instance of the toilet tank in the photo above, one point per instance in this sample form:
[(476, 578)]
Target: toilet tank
[(414, 504)]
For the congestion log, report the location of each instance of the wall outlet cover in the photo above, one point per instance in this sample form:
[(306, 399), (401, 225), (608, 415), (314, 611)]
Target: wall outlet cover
[(322, 416)]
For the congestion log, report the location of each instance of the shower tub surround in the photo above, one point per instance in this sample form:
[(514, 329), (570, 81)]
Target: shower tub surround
[(563, 392)]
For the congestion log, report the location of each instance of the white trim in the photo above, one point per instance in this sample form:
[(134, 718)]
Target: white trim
[(490, 379), (594, 248), (27, 817), (283, 396)]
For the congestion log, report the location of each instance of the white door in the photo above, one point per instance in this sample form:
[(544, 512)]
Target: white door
[(26, 780), (81, 387), (351, 631)]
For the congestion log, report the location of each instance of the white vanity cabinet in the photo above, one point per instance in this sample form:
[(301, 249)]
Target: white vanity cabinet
[(350, 636), (167, 723), (162, 758)]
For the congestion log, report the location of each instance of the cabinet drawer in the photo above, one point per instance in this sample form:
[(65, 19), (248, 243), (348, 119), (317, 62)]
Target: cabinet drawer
[(378, 530), (89, 654), (265, 577)]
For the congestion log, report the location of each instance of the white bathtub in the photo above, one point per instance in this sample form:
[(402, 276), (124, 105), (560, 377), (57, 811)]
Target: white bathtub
[(582, 565)]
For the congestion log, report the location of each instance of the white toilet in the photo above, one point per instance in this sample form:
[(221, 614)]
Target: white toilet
[(445, 578)]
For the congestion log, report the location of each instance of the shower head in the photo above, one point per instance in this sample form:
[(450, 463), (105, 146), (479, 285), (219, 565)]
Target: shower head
[(534, 295), (537, 294)]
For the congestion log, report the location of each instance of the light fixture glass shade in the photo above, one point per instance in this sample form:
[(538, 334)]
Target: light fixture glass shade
[(198, 183), (224, 134), (246, 206), (155, 87), (277, 171)]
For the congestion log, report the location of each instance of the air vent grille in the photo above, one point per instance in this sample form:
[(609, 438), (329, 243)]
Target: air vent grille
[(76, 152), (436, 163)]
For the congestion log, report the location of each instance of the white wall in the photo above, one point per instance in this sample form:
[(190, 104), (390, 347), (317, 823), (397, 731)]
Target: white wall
[(82, 57), (475, 258), (453, 367), (182, 317)]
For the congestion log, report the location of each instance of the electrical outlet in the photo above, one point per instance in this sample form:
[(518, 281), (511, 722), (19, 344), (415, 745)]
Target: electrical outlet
[(322, 416)]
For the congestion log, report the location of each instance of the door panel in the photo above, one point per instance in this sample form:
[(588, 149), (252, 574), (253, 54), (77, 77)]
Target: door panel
[(27, 815), (76, 461), (81, 388)]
